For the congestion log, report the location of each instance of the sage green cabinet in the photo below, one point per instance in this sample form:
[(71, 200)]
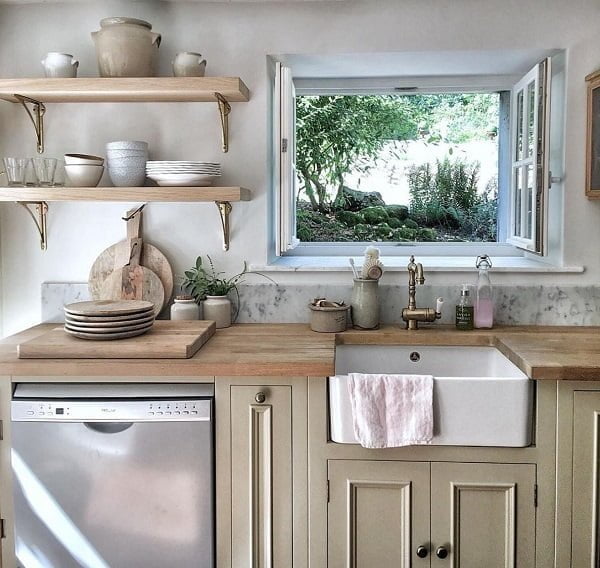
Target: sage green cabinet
[(261, 472), (420, 514)]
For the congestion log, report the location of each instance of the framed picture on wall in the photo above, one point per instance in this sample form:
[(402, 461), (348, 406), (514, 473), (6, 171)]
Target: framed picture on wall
[(592, 174)]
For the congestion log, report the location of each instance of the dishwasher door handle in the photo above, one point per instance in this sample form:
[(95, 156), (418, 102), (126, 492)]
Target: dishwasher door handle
[(108, 427)]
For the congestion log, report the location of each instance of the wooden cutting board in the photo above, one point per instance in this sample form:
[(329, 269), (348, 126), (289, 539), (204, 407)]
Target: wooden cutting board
[(117, 255), (166, 340)]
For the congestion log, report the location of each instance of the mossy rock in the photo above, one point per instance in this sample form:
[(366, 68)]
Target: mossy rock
[(395, 223), (405, 234), (384, 231), (349, 218), (375, 215), (399, 212), (410, 224), (355, 200), (427, 235)]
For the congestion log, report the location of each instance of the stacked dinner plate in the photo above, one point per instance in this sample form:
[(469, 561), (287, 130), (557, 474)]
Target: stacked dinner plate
[(109, 319), (180, 173)]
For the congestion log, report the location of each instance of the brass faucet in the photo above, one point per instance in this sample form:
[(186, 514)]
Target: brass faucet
[(413, 315)]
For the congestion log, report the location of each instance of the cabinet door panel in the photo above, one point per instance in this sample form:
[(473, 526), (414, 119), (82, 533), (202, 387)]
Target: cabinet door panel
[(586, 446), (378, 514), (483, 514), (261, 488)]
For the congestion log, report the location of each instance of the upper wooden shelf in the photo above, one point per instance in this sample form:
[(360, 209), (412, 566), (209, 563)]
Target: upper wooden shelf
[(121, 90), (164, 194)]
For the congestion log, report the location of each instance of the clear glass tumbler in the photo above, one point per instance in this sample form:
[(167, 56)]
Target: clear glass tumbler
[(16, 171), (44, 170)]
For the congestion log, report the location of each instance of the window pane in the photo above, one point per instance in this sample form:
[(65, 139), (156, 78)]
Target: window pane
[(529, 179), (517, 203), (530, 118), (519, 146)]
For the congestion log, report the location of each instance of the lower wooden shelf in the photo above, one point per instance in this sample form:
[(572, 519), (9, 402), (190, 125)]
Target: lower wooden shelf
[(39, 197), (164, 194)]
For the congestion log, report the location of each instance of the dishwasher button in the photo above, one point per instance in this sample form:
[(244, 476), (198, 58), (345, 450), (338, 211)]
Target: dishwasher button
[(159, 414), (151, 413), (177, 413), (193, 412), (167, 413), (30, 413), (185, 412)]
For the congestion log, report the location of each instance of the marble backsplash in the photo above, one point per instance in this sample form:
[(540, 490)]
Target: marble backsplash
[(270, 303)]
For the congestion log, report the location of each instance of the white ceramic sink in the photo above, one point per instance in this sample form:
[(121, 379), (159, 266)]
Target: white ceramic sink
[(479, 399)]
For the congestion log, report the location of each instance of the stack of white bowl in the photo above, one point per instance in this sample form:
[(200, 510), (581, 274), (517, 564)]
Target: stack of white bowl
[(127, 162), (84, 170), (183, 173)]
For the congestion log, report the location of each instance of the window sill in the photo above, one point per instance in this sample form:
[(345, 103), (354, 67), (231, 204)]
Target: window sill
[(516, 264)]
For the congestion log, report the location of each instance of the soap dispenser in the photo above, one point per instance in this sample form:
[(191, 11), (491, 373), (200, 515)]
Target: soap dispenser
[(484, 301), (464, 310)]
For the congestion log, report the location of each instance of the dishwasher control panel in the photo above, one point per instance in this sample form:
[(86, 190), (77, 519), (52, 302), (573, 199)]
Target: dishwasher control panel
[(110, 410)]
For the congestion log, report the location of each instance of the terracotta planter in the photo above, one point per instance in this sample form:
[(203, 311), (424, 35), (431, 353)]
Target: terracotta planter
[(125, 47)]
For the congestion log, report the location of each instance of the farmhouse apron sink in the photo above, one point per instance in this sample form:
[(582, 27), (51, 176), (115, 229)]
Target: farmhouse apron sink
[(479, 397)]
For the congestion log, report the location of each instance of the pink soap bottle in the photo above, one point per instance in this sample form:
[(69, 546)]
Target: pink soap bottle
[(484, 300)]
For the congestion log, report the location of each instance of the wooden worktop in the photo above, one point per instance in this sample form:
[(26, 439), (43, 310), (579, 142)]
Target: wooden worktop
[(552, 353)]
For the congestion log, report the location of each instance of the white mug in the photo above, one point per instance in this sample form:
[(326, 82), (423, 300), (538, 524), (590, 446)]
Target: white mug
[(60, 65), (189, 64)]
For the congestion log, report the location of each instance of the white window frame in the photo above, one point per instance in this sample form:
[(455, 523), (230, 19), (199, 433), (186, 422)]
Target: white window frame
[(288, 244), (537, 160)]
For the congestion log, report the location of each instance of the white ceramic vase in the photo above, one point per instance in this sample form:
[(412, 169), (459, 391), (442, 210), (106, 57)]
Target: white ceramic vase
[(185, 308), (218, 309), (189, 64), (60, 65), (125, 47)]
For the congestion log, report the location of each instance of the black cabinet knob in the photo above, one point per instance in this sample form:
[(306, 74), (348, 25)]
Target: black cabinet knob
[(441, 552), (422, 551), (260, 397)]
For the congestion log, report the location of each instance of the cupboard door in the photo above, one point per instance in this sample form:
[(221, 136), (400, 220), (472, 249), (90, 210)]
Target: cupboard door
[(261, 476), (483, 515), (586, 446), (378, 514)]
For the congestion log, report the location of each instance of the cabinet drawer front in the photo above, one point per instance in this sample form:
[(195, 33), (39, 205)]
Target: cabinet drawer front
[(378, 514)]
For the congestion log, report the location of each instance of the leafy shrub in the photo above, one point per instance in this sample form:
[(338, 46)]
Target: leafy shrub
[(349, 218), (399, 212), (375, 215), (410, 224)]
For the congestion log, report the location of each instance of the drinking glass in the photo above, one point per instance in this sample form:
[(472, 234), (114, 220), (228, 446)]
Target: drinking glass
[(16, 171), (44, 170)]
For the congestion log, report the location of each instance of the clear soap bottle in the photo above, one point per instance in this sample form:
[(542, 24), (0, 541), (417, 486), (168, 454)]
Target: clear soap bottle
[(484, 301), (464, 310)]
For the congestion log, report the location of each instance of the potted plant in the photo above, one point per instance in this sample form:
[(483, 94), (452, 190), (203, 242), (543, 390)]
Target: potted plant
[(212, 288)]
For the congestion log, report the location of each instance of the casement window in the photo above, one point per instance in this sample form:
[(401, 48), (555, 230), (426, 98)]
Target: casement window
[(520, 206)]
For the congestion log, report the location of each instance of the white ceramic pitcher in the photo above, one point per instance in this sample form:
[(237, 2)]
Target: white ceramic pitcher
[(189, 64), (58, 64)]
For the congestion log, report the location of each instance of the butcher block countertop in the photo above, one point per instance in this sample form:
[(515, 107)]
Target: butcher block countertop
[(293, 350)]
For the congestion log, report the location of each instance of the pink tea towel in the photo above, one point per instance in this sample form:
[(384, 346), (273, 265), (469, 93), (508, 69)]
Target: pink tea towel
[(390, 411)]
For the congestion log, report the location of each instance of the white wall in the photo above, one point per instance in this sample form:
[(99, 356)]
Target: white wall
[(236, 38)]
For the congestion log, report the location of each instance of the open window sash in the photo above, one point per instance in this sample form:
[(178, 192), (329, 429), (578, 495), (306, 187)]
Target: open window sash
[(285, 156), (530, 176)]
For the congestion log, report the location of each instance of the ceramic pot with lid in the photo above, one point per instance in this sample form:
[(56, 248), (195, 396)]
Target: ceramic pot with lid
[(126, 47)]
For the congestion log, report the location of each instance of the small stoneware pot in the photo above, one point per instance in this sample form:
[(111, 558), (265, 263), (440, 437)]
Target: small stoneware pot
[(60, 65), (218, 309), (189, 64), (185, 308), (327, 317)]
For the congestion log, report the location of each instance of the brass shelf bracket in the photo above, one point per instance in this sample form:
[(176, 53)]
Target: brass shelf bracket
[(224, 110), (37, 118), (224, 211), (40, 221)]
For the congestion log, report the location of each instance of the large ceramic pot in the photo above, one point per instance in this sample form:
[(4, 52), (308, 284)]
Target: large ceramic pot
[(125, 47)]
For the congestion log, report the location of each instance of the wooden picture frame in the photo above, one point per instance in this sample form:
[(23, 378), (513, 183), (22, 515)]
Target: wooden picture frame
[(592, 150)]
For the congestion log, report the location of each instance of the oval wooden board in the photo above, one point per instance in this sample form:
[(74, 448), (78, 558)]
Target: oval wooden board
[(109, 320), (108, 307), (94, 325), (145, 286), (117, 255)]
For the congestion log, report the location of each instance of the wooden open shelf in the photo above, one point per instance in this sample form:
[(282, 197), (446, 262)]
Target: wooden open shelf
[(134, 89), (150, 194)]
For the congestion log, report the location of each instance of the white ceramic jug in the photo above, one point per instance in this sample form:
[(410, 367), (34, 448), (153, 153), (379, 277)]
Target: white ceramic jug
[(189, 64), (60, 65), (125, 47)]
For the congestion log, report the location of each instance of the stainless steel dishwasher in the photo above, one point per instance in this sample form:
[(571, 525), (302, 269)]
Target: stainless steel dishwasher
[(118, 475)]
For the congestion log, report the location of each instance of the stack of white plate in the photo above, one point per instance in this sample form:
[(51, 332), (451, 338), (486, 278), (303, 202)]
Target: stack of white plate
[(181, 173), (109, 319)]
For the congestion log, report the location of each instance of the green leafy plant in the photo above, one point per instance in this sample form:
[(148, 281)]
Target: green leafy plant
[(201, 281)]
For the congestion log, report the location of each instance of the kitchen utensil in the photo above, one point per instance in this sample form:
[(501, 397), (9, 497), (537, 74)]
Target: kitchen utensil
[(83, 160), (16, 171), (189, 64), (115, 256), (135, 282), (44, 170), (125, 47), (97, 308), (108, 322), (60, 65), (354, 271), (183, 180), (165, 340), (84, 175)]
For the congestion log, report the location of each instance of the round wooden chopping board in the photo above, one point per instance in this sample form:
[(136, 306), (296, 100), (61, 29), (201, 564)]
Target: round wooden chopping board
[(116, 256)]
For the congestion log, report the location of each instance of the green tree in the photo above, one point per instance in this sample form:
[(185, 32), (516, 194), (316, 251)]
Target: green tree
[(340, 133)]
